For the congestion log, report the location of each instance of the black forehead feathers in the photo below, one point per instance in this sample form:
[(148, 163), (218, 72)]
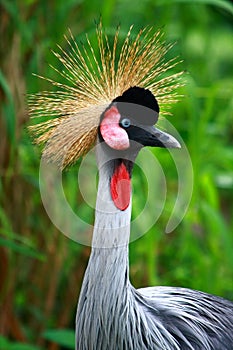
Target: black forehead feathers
[(132, 102)]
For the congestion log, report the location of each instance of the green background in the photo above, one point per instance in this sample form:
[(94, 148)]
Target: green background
[(41, 269)]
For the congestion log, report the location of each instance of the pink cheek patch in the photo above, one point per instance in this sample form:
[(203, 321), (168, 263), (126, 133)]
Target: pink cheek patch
[(114, 136)]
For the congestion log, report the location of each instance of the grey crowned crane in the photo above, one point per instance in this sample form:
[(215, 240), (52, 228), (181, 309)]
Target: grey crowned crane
[(113, 104)]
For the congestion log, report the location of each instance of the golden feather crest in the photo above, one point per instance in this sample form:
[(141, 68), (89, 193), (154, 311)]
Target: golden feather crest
[(71, 114)]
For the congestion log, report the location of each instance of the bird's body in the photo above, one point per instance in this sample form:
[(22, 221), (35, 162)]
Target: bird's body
[(114, 103), (112, 314)]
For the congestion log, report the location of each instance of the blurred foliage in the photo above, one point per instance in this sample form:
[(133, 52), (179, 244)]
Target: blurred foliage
[(42, 270)]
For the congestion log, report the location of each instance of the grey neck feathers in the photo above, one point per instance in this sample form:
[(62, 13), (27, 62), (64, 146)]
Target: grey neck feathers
[(112, 226), (110, 311), (106, 281)]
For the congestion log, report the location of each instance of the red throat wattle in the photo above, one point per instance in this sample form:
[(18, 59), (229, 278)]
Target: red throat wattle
[(120, 187)]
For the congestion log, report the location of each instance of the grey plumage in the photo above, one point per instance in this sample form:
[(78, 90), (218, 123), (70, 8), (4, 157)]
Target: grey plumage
[(113, 315)]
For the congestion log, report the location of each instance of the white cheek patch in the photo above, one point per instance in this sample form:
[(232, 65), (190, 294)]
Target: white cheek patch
[(115, 137)]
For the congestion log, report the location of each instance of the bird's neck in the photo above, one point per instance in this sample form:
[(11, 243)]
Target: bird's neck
[(112, 225), (106, 282), (109, 256), (113, 203)]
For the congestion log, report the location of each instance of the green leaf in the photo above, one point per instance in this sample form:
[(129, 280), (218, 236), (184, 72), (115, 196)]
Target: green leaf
[(20, 248), (8, 109), (63, 337), (5, 344), (22, 346), (227, 6)]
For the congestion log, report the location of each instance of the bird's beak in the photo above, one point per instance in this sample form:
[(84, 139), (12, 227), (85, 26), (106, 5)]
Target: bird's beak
[(151, 136)]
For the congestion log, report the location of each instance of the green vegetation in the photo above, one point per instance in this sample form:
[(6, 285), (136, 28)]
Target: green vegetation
[(41, 269)]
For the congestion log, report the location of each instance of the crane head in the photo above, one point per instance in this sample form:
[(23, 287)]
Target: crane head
[(130, 119), (66, 121)]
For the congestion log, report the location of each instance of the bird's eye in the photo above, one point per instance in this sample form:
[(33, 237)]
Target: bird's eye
[(125, 123)]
